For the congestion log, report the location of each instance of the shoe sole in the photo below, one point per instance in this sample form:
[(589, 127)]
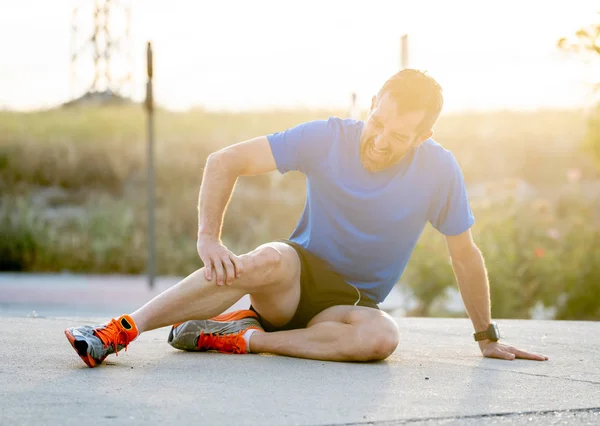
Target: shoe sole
[(235, 315), (81, 348)]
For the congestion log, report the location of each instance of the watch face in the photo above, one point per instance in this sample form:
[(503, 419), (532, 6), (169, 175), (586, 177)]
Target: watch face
[(495, 333)]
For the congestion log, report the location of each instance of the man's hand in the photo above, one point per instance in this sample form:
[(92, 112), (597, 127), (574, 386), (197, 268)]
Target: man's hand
[(499, 350), (218, 259)]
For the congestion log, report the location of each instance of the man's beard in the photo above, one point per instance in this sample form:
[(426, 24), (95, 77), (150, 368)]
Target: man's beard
[(374, 160)]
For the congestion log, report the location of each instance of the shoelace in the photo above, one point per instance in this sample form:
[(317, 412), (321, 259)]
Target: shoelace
[(229, 343), (112, 334)]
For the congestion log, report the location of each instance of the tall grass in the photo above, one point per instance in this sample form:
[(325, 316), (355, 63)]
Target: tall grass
[(72, 184)]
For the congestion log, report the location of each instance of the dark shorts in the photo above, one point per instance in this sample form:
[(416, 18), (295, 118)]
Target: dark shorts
[(320, 288)]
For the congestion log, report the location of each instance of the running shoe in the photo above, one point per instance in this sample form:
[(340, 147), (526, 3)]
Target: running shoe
[(94, 343), (222, 333)]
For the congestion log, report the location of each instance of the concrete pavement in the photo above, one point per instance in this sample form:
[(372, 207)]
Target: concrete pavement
[(436, 377), (101, 295)]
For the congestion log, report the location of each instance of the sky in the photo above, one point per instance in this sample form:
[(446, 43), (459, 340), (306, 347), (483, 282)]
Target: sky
[(240, 55)]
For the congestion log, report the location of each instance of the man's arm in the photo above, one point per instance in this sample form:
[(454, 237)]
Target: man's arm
[(471, 276), (222, 170)]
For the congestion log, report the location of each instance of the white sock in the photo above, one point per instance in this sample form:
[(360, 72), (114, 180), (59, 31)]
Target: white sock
[(247, 336)]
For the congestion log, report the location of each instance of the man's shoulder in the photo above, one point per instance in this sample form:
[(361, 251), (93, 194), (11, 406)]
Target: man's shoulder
[(332, 127), (434, 151), (435, 156), (432, 146), (341, 131), (344, 124)]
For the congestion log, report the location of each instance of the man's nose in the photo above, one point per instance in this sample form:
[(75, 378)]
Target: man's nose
[(380, 142)]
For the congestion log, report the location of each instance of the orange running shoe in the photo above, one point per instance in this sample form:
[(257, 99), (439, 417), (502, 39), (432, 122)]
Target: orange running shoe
[(94, 344), (222, 333)]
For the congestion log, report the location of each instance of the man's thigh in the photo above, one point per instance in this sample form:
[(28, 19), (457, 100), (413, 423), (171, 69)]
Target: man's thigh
[(317, 288), (374, 334), (277, 302), (356, 315)]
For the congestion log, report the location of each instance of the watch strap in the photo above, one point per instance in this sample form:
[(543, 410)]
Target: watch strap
[(481, 335), (490, 334)]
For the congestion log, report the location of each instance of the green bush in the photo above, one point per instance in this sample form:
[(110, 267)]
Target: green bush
[(592, 137), (536, 251), (21, 236)]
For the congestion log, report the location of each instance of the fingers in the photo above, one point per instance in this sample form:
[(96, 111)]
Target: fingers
[(510, 353), (207, 268), (500, 354), (224, 270), (229, 270), (234, 267), (219, 270), (527, 355), (237, 263), (219, 263)]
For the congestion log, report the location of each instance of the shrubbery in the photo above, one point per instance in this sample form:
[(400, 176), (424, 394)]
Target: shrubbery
[(73, 198)]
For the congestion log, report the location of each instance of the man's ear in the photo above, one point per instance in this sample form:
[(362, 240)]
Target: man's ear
[(373, 100), (423, 137)]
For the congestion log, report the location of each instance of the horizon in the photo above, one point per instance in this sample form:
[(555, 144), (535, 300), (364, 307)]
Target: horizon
[(297, 109)]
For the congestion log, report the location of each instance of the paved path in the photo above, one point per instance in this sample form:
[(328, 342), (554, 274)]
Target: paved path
[(96, 295), (436, 376)]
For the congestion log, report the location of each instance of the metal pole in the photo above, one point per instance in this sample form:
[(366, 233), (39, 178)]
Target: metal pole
[(404, 51), (150, 166)]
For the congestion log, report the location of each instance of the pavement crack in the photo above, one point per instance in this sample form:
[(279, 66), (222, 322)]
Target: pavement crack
[(593, 382), (472, 416), (541, 375), (552, 377)]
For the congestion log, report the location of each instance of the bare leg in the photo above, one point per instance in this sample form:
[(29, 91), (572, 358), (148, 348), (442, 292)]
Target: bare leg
[(269, 268), (340, 333)]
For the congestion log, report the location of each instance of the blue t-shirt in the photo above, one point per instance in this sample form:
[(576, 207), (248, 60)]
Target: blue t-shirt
[(365, 225)]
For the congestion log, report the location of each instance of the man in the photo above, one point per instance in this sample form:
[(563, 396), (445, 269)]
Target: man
[(371, 188)]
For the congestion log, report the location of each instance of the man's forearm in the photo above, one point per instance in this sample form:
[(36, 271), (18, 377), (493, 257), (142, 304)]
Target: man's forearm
[(471, 276), (215, 192)]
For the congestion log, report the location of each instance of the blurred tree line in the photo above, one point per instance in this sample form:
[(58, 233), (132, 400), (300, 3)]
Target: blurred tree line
[(586, 42), (72, 197)]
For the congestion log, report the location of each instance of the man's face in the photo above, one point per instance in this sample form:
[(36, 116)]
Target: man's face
[(388, 136)]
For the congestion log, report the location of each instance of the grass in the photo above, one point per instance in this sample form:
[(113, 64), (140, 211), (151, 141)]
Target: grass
[(72, 184)]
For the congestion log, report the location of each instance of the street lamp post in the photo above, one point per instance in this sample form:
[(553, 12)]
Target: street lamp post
[(150, 169), (404, 51)]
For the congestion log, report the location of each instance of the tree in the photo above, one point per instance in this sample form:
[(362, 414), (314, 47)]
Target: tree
[(586, 41)]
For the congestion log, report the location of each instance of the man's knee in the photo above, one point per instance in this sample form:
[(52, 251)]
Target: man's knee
[(376, 340), (263, 257), (268, 264)]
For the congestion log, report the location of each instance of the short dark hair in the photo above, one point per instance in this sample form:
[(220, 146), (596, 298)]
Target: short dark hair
[(414, 90)]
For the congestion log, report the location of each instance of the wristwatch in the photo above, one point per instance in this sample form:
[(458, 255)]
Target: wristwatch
[(491, 333)]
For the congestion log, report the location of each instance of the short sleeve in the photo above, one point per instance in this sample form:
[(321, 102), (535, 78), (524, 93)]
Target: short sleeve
[(298, 148), (450, 212)]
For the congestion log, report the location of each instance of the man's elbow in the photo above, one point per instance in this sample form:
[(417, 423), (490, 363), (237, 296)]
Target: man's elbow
[(223, 160), (217, 156)]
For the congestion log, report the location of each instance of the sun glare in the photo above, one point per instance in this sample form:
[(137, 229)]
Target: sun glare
[(266, 53)]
